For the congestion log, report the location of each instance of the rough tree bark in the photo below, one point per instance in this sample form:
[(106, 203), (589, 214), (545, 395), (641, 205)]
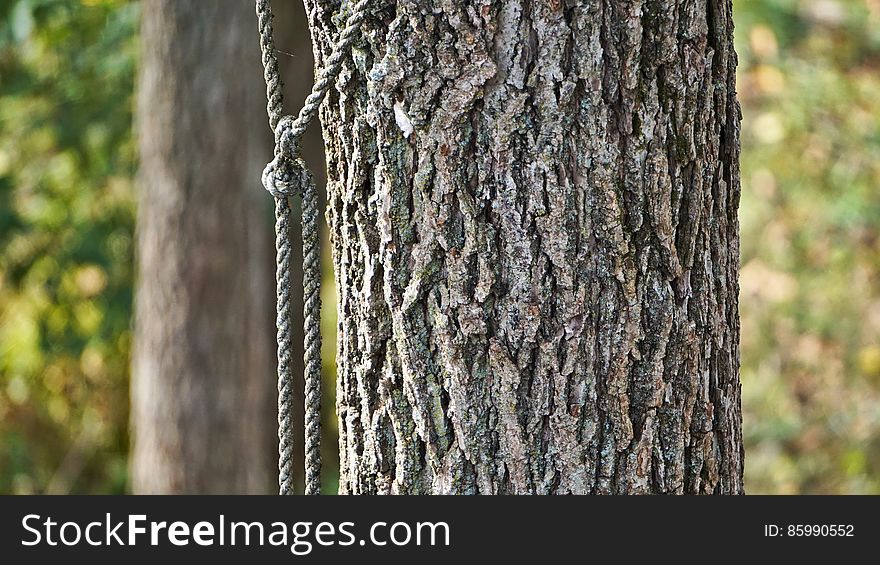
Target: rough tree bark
[(203, 368), (533, 213)]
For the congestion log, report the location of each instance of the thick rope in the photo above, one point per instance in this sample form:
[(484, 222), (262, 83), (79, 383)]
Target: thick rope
[(285, 175), (282, 261), (312, 315)]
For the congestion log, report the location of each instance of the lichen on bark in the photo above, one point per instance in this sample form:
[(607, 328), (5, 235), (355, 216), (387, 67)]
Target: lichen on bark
[(533, 215)]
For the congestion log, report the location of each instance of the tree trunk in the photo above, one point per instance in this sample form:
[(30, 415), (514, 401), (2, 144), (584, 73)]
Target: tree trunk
[(203, 367), (533, 212)]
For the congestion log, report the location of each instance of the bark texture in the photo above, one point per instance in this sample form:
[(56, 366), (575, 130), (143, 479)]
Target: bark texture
[(533, 213), (203, 368)]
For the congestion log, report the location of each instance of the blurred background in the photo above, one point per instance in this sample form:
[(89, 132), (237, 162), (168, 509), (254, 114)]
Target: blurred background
[(809, 83)]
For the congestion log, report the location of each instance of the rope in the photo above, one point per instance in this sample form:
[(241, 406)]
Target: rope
[(285, 175)]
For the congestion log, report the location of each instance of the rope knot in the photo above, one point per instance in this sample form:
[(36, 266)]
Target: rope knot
[(287, 174)]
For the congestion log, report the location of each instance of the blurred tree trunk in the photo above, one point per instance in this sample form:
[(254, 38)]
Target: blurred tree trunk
[(203, 368), (533, 213)]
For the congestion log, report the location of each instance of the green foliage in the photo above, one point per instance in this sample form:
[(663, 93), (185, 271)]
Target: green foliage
[(809, 84), (66, 224), (810, 88)]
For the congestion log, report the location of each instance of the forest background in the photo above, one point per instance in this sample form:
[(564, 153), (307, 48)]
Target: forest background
[(809, 84)]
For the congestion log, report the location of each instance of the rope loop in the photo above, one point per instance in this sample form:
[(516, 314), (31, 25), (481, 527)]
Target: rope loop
[(286, 174), (287, 136)]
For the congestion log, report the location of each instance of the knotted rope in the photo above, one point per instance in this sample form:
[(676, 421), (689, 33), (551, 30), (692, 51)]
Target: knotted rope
[(287, 174)]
